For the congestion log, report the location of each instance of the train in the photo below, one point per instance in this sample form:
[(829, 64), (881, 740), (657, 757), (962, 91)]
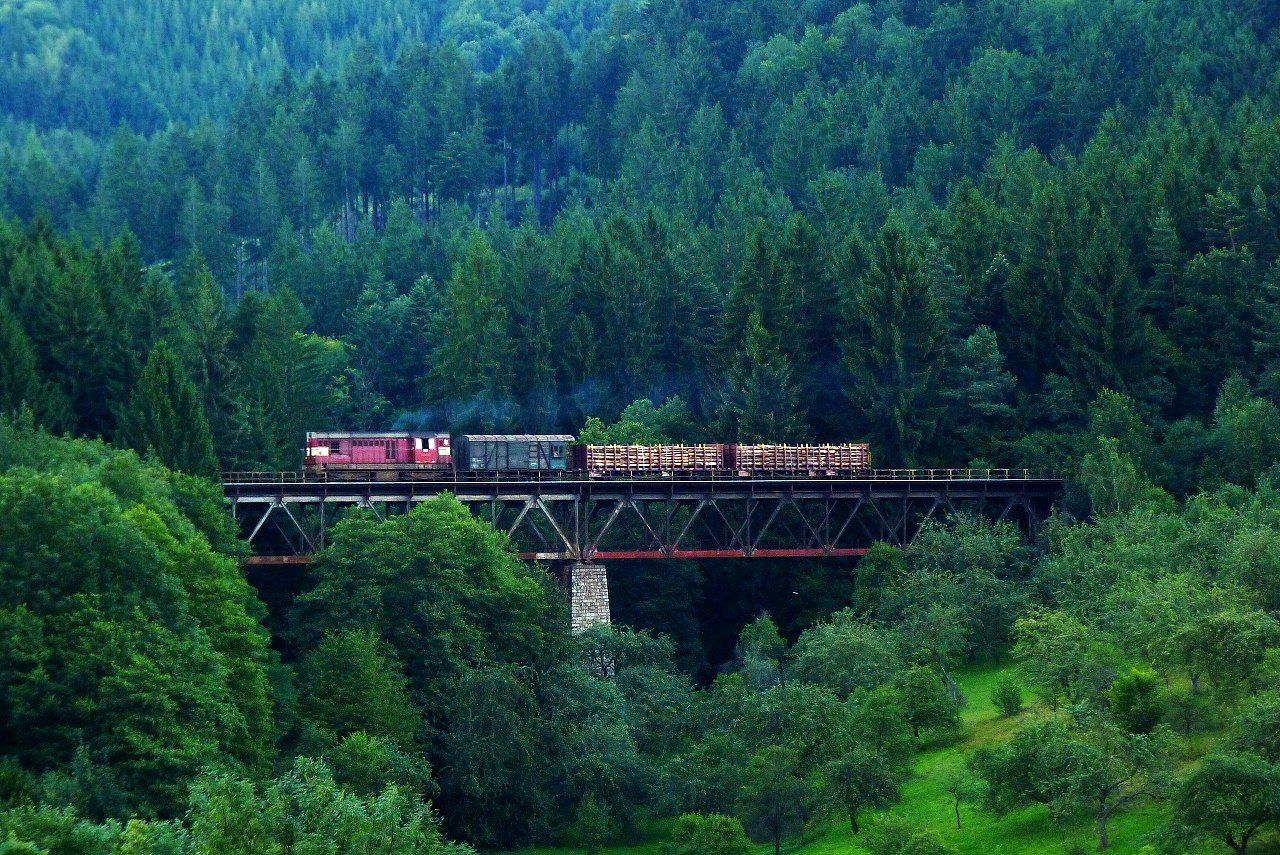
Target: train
[(395, 455)]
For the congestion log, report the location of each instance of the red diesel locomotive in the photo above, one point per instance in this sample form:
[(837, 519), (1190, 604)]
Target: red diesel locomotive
[(378, 451)]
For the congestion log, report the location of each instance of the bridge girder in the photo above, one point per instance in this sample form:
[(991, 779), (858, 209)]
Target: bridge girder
[(597, 520)]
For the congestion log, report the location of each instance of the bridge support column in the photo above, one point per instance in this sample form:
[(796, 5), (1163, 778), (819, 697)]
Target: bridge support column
[(588, 596)]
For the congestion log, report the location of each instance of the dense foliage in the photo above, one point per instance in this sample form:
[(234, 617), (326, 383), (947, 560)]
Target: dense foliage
[(943, 228), (90, 66), (982, 232)]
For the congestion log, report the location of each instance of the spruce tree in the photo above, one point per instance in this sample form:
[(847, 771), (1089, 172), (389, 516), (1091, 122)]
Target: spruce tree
[(1034, 296), (761, 400), (166, 418), (473, 371), (894, 348), (21, 386), (751, 291), (19, 380), (285, 382), (1107, 341), (204, 345), (1164, 255)]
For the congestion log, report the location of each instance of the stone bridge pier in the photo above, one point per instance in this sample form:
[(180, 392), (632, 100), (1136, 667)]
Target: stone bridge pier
[(588, 586)]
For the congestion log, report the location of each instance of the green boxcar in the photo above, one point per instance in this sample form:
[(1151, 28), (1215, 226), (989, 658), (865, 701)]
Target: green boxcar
[(489, 452)]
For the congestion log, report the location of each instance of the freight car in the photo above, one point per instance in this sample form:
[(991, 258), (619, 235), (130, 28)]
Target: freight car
[(649, 459), (811, 460), (513, 452), (727, 459), (434, 455)]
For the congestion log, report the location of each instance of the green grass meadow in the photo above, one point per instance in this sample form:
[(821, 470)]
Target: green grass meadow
[(927, 805)]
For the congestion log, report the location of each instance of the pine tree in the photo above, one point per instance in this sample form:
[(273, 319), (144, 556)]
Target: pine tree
[(21, 386), (83, 351), (979, 393), (1035, 294), (1260, 229), (473, 371), (165, 417), (761, 400), (752, 291), (204, 345), (894, 348), (1224, 219), (1164, 255), (805, 314), (1107, 341), (285, 382)]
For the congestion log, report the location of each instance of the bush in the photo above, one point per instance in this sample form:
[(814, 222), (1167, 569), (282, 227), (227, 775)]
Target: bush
[(926, 702), (590, 827), (710, 834), (895, 836), (1137, 701), (1007, 696)]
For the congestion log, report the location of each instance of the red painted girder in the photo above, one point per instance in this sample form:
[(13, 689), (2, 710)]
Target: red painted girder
[(613, 555), (620, 555), (278, 559)]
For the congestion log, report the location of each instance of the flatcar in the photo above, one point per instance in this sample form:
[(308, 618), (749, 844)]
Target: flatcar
[(811, 460), (659, 460)]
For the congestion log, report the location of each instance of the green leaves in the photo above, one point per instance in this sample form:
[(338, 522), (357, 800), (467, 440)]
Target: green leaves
[(348, 686), (125, 636), (306, 811), (1229, 798), (1089, 769)]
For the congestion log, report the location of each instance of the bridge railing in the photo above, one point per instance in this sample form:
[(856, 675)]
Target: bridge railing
[(928, 474), (954, 474)]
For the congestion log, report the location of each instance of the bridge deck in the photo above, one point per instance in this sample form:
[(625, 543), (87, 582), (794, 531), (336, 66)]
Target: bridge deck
[(265, 486)]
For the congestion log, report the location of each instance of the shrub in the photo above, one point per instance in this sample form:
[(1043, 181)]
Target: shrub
[(1137, 701), (1007, 696), (710, 834), (895, 836), (591, 825)]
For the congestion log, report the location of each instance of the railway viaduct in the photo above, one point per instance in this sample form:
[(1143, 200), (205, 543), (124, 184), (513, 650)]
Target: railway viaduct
[(575, 523)]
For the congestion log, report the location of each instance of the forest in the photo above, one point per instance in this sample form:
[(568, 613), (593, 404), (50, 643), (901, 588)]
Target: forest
[(1040, 234)]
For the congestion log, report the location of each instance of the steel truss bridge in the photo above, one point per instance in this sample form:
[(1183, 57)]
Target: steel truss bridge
[(568, 517)]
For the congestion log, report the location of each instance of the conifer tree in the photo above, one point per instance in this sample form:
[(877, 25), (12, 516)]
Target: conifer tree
[(19, 380), (285, 382), (473, 370), (1036, 292), (761, 399), (805, 314), (751, 291), (165, 417), (894, 348), (82, 349), (1164, 255), (21, 386), (204, 345), (1107, 342)]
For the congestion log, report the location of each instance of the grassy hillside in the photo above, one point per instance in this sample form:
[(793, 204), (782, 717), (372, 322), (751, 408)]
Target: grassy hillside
[(927, 805)]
